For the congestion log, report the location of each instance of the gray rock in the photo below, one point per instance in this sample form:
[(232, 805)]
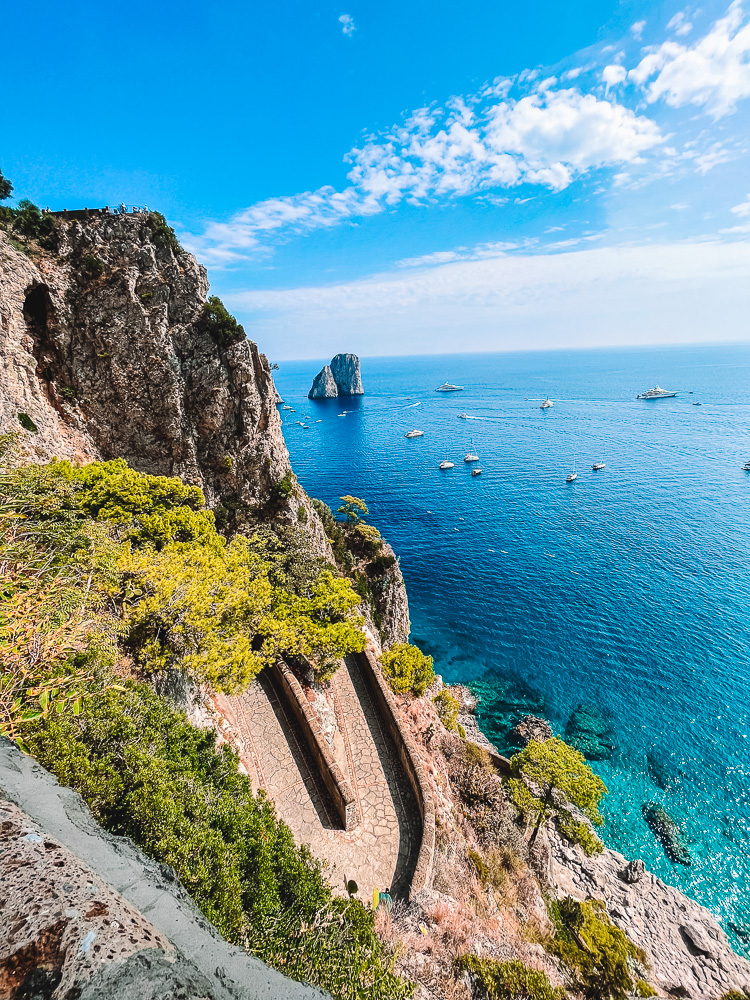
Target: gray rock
[(633, 872), (697, 939), (345, 368), (324, 385), (529, 728)]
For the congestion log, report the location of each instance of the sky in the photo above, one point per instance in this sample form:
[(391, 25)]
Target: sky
[(404, 178)]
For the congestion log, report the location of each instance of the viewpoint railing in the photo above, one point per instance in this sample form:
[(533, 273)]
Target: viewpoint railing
[(87, 213)]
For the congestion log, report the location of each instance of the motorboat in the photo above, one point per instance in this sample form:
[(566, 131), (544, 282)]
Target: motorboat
[(449, 387), (468, 457), (463, 416), (414, 434), (476, 472), (746, 466), (446, 465), (571, 477), (656, 393), (546, 403), (598, 465)]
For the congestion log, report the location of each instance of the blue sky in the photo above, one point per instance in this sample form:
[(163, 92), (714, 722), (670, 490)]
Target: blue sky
[(415, 177)]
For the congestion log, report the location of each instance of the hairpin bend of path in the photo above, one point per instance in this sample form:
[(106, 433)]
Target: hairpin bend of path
[(382, 849)]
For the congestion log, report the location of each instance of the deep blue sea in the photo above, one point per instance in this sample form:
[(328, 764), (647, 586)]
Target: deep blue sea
[(627, 591)]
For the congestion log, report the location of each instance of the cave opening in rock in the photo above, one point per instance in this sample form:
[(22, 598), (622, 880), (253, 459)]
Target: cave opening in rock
[(36, 311)]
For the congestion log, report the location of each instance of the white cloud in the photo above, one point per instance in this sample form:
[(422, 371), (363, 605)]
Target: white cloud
[(348, 25), (742, 211), (471, 147), (637, 29), (609, 295), (679, 24), (713, 74), (614, 74)]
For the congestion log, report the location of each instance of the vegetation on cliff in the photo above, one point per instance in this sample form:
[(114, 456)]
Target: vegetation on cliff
[(103, 569)]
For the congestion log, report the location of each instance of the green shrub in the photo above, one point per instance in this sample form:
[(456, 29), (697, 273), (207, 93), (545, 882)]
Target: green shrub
[(27, 423), (28, 220), (217, 322), (162, 234), (594, 949), (227, 462), (68, 393), (447, 708), (92, 267), (643, 989), (508, 980), (407, 669)]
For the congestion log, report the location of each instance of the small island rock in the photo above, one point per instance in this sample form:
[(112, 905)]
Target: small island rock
[(324, 385), (345, 368), (529, 728)]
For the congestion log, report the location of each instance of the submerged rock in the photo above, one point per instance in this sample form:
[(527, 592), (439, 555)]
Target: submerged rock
[(324, 385), (345, 368), (590, 732), (661, 773), (667, 832), (529, 728)]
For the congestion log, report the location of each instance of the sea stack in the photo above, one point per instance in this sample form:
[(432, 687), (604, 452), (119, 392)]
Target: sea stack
[(341, 378), (324, 385)]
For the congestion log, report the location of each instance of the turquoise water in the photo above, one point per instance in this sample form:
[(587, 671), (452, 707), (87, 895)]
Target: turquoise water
[(627, 590)]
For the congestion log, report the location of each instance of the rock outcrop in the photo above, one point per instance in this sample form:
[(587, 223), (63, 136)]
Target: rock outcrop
[(341, 378), (324, 385), (529, 728), (689, 954), (345, 368), (103, 355)]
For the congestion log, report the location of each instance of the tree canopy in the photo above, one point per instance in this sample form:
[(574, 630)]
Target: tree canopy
[(6, 188), (353, 508)]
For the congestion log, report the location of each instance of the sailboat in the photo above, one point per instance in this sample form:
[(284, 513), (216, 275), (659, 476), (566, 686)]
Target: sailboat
[(572, 476)]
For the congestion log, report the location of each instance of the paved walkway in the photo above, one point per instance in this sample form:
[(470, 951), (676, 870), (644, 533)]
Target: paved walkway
[(382, 849)]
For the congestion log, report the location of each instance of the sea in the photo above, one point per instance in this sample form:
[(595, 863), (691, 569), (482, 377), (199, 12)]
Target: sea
[(624, 594)]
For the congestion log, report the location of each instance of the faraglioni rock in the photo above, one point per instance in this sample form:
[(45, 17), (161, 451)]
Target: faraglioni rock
[(345, 368), (341, 378), (324, 385)]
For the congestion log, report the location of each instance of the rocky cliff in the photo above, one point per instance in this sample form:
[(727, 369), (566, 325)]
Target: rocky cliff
[(103, 354), (324, 385)]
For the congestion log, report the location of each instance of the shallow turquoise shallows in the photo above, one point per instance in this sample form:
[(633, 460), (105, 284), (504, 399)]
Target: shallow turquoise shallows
[(627, 590)]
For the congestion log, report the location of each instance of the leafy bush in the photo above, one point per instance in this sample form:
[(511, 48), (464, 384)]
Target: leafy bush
[(162, 234), (508, 980), (28, 220), (217, 322), (407, 669), (148, 774), (644, 989), (6, 188), (594, 949), (447, 708), (27, 423), (92, 267)]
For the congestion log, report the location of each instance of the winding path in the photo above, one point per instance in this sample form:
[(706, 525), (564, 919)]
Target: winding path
[(381, 850)]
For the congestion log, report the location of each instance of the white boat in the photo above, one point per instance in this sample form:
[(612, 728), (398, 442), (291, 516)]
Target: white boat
[(572, 476), (598, 465), (471, 458), (476, 472), (463, 416), (414, 434), (656, 393), (546, 404), (448, 387), (446, 465), (746, 466)]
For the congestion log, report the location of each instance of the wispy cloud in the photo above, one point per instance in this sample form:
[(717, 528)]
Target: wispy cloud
[(636, 29), (679, 24), (347, 24)]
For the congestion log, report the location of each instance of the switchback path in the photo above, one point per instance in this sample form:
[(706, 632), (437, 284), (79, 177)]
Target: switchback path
[(382, 848)]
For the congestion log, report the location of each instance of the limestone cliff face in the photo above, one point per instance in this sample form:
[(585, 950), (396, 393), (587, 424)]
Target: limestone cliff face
[(324, 385), (345, 368), (100, 348), (391, 603)]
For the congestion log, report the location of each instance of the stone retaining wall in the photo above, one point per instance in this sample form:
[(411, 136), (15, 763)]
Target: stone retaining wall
[(338, 787), (409, 757)]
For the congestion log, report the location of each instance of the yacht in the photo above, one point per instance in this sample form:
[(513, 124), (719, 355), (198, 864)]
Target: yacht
[(476, 472), (546, 404), (468, 457), (448, 387), (598, 465), (656, 393), (446, 465), (414, 434)]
